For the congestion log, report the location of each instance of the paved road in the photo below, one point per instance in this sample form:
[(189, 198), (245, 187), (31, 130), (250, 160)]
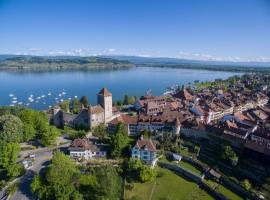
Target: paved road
[(24, 191), (43, 158)]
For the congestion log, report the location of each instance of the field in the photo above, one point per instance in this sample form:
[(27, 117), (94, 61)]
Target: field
[(168, 187), (223, 190), (189, 167)]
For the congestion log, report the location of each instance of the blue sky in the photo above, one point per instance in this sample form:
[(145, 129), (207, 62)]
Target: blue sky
[(193, 29)]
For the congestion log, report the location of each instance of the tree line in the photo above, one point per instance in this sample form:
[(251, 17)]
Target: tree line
[(21, 125)]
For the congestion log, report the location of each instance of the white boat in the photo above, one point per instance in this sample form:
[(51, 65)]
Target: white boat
[(38, 98), (31, 100), (60, 95), (27, 104), (63, 93), (14, 98), (20, 103), (11, 105), (75, 97), (69, 98), (62, 100), (43, 96), (11, 95), (14, 101), (49, 94)]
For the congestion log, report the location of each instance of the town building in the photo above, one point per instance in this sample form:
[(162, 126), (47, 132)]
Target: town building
[(145, 150), (89, 117), (87, 149)]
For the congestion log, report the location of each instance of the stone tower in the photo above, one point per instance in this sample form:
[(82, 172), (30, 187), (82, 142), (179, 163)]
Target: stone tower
[(104, 98), (177, 127)]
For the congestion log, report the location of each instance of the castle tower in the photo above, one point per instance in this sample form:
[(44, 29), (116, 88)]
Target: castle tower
[(177, 127), (104, 98)]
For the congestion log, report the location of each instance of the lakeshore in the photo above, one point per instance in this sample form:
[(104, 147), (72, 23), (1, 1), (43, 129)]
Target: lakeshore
[(134, 81)]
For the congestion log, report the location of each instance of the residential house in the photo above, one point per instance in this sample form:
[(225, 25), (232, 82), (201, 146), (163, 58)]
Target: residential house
[(87, 149), (145, 150)]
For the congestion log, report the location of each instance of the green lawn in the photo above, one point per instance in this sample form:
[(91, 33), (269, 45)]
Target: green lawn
[(220, 188), (189, 167), (168, 186)]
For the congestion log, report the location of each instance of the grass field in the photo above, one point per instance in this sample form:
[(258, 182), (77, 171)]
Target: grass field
[(189, 167), (168, 187), (220, 188)]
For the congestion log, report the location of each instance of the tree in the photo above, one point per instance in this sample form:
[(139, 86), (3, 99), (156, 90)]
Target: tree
[(59, 179), (64, 105), (125, 101), (108, 183), (87, 182), (84, 101), (15, 170), (49, 136), (11, 128), (229, 155), (147, 173), (75, 104), (246, 184), (8, 154), (137, 171), (100, 131), (46, 133), (131, 100), (133, 168), (29, 132), (119, 141), (41, 123)]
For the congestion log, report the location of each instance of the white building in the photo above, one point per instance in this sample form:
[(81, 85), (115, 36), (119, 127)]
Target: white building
[(145, 150), (87, 149)]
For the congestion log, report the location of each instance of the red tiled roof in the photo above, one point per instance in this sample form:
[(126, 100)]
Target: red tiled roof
[(146, 144), (125, 119), (184, 94), (82, 144), (95, 109)]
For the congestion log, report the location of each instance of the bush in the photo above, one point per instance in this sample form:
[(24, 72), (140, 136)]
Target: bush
[(2, 183), (246, 184), (129, 186), (160, 174)]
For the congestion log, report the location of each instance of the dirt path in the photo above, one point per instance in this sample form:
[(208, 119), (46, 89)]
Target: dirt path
[(153, 189)]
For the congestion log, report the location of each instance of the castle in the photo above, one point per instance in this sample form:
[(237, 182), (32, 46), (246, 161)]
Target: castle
[(88, 117)]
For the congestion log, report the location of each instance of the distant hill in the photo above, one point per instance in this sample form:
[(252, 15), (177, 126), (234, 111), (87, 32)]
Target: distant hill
[(37, 63), (164, 60), (50, 63), (196, 64)]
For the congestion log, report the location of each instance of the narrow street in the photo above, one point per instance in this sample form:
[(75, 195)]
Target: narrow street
[(24, 190)]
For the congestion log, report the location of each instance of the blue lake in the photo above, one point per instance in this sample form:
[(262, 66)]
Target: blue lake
[(18, 86)]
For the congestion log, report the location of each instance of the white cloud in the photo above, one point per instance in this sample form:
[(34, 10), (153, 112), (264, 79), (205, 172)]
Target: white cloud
[(110, 51), (34, 49), (208, 57)]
